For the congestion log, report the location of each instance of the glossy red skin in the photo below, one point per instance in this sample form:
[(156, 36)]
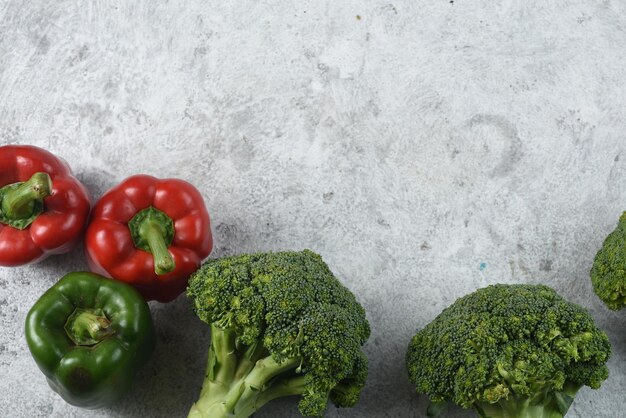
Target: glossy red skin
[(66, 210), (110, 249)]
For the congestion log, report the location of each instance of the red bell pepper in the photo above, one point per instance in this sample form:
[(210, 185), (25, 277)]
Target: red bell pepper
[(149, 233), (43, 207)]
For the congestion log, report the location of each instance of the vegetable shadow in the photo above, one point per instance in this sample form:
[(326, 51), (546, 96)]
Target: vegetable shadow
[(171, 381)]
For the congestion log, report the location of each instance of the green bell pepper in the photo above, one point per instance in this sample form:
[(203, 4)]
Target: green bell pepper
[(89, 335)]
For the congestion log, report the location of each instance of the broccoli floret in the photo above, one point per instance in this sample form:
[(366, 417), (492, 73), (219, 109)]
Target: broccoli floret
[(281, 325), (509, 351), (608, 274)]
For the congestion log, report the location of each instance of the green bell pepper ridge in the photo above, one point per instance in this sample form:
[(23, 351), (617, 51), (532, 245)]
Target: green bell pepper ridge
[(90, 335)]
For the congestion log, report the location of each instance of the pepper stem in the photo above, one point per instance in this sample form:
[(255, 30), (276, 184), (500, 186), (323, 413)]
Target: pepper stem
[(88, 326), (19, 202), (153, 234), (153, 231)]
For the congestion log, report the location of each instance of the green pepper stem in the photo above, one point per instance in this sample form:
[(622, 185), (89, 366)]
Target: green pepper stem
[(19, 203), (88, 327), (152, 232)]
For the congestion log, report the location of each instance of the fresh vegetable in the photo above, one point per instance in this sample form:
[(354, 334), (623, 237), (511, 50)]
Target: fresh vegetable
[(151, 234), (89, 335), (43, 207), (281, 325), (509, 351), (608, 274)]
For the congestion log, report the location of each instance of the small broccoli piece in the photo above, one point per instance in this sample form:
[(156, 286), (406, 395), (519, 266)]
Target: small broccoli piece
[(608, 274), (281, 325), (509, 351)]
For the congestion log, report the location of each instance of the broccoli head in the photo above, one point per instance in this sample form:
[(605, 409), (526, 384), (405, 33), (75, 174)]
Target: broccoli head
[(514, 351), (281, 325), (608, 274)]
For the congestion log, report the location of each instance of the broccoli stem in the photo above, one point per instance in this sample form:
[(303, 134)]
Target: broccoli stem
[(519, 410), (285, 387), (543, 405), (237, 384)]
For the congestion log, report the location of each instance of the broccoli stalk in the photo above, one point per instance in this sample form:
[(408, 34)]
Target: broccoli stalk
[(281, 325), (240, 381), (545, 404), (509, 351)]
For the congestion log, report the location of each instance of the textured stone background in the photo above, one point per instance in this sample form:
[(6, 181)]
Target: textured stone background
[(425, 149)]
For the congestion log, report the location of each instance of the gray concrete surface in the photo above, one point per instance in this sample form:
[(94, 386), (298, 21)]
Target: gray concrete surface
[(425, 149)]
